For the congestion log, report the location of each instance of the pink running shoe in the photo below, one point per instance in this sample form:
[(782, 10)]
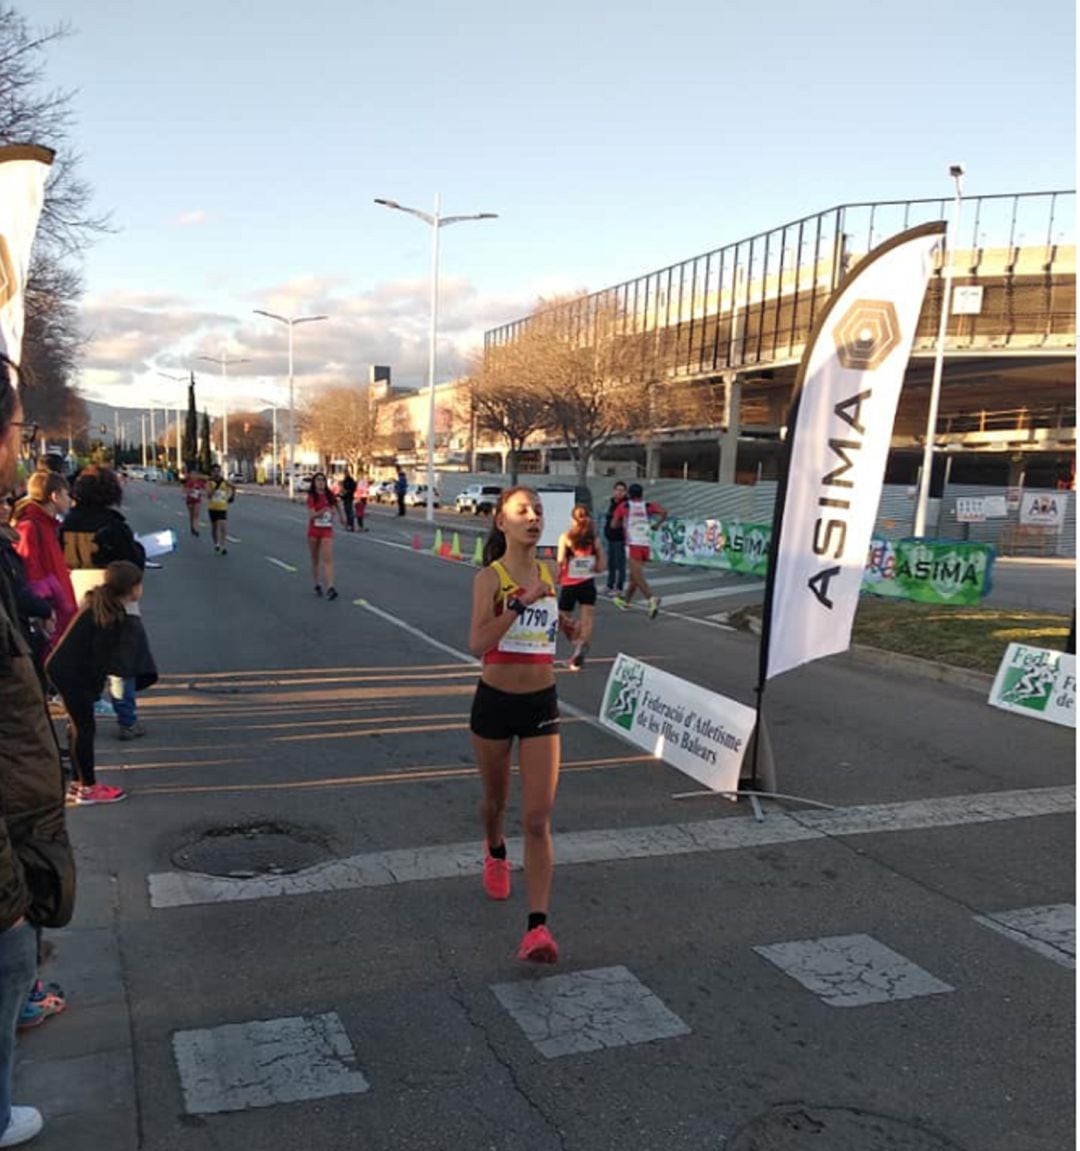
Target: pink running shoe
[(538, 946), (97, 793), (496, 876)]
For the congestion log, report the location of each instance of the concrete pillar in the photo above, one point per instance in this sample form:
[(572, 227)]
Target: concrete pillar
[(729, 438), (652, 460), (545, 456)]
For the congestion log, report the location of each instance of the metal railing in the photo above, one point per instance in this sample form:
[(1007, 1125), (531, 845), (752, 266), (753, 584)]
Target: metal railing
[(754, 302)]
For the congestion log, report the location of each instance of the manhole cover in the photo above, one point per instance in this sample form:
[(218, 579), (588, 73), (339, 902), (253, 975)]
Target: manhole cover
[(803, 1127), (243, 851)]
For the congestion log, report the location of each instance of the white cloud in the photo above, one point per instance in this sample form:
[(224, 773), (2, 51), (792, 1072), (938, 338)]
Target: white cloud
[(191, 219)]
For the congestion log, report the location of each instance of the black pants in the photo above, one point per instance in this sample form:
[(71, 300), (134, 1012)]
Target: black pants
[(401, 504), (350, 513), (81, 727)]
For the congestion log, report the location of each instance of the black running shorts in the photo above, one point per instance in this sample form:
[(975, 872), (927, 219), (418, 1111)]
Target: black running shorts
[(577, 593), (503, 714), (216, 516)]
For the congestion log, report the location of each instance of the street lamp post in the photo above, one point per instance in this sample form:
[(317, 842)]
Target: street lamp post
[(952, 236), (290, 322), (225, 361), (179, 448), (274, 407), (435, 221)]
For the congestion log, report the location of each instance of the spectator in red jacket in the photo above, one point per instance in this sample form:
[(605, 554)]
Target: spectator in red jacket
[(37, 520)]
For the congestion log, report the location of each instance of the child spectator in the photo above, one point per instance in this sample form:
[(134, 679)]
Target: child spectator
[(106, 639)]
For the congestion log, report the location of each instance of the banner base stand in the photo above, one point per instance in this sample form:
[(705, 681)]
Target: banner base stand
[(753, 796)]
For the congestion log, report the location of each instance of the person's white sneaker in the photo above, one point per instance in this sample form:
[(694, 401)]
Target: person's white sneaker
[(24, 1124)]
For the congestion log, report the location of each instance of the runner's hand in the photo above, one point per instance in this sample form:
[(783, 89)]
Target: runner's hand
[(536, 590)]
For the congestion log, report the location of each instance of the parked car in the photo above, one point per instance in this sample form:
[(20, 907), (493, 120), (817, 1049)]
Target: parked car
[(416, 496), (478, 499), (382, 492)]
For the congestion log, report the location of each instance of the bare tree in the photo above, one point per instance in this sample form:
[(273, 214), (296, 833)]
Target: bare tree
[(506, 402), (341, 422), (580, 354), (31, 111)]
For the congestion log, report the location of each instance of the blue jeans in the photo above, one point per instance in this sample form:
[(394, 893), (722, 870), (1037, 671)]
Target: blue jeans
[(616, 572), (18, 967), (123, 697)]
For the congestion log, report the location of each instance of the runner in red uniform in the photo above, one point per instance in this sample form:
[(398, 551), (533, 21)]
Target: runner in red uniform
[(515, 619), (580, 559), (194, 483), (638, 518), (323, 506)]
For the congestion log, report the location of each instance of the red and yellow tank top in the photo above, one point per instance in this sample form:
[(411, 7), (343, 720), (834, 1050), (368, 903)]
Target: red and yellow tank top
[(531, 638)]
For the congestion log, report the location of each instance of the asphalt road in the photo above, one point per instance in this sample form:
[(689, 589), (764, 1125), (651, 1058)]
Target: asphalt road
[(346, 728)]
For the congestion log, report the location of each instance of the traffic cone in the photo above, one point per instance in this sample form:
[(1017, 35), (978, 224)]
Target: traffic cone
[(437, 549), (416, 542), (478, 553), (455, 548)]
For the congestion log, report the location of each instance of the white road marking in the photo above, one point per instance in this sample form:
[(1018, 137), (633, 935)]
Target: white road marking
[(852, 970), (265, 1062), (1049, 930), (461, 860), (281, 564), (712, 593), (664, 581), (233, 539)]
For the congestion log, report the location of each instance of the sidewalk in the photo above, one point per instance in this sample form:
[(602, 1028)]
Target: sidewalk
[(77, 1068)]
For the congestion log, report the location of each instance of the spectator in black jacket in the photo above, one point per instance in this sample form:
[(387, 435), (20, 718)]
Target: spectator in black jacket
[(37, 868), (615, 537), (94, 534)]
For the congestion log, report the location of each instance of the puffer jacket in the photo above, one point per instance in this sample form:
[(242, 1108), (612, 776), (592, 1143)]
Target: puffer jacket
[(95, 537), (37, 866), (43, 558)]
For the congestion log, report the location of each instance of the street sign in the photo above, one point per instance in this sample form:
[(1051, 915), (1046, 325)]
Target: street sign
[(967, 300), (970, 510)]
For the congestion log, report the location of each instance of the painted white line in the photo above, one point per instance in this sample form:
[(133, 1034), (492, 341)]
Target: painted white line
[(1049, 930), (281, 564), (233, 539), (415, 631), (665, 581), (460, 860), (712, 593)]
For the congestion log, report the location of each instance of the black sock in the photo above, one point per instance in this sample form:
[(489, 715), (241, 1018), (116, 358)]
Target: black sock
[(537, 919), (498, 852)]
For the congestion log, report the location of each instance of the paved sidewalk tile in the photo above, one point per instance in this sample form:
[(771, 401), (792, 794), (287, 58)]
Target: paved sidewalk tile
[(588, 1011), (266, 1062), (1050, 930), (852, 970)]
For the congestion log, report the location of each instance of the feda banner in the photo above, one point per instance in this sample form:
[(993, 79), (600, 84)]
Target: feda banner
[(729, 545), (701, 733), (1037, 682)]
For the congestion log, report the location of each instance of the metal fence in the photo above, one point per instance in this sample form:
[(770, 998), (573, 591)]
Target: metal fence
[(754, 302)]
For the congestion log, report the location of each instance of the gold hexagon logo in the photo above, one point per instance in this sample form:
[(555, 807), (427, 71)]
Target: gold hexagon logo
[(866, 335), (9, 278)]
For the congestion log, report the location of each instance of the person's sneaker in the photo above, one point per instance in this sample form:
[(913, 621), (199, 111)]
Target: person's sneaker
[(224, 551), (135, 731), (217, 547), (45, 999), (577, 660), (538, 946), (654, 606), (97, 793), (103, 707), (24, 1124), (70, 794), (331, 593), (318, 589), (619, 602), (496, 876)]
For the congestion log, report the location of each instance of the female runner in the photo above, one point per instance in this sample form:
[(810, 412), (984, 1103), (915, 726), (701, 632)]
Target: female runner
[(515, 618), (322, 505), (581, 559)]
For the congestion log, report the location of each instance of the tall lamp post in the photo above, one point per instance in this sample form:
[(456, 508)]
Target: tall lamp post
[(225, 361), (435, 221), (952, 236), (274, 408), (290, 322), (179, 448)]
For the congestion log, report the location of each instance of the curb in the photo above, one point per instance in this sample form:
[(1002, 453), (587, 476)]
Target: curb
[(78, 1068), (927, 668)]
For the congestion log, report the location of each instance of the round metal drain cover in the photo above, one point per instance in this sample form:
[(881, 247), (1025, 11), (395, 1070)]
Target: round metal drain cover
[(803, 1127), (243, 851)]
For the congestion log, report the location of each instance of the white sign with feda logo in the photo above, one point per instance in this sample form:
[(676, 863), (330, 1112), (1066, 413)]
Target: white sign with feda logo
[(695, 730), (1038, 682)]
